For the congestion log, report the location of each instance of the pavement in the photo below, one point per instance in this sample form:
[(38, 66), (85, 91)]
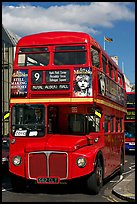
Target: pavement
[(125, 189)]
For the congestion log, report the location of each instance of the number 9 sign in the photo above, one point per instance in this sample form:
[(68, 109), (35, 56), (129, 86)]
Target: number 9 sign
[(36, 77)]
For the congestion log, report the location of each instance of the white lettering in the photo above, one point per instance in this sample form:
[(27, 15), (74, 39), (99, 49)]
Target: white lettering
[(20, 132)]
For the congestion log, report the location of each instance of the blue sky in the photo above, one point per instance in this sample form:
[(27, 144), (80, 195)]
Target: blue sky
[(115, 20)]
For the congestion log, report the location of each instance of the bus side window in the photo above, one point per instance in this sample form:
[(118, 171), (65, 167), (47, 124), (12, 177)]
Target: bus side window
[(119, 78), (93, 123), (106, 121), (123, 81), (110, 69), (91, 127), (117, 125), (104, 63), (121, 126), (112, 124), (114, 74), (95, 57)]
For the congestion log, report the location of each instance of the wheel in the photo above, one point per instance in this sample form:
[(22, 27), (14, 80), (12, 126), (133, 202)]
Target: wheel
[(95, 180), (121, 163), (18, 183)]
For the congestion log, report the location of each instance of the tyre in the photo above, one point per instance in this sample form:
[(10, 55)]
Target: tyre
[(18, 183), (95, 180)]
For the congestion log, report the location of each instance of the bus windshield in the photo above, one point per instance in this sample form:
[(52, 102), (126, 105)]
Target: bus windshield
[(28, 120)]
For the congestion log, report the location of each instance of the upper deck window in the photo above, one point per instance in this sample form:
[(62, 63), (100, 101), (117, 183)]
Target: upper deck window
[(33, 56), (68, 55), (95, 57), (123, 81), (110, 70), (114, 73), (104, 63), (72, 48), (119, 78)]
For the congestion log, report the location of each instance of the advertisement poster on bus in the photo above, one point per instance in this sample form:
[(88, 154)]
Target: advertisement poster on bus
[(19, 84), (82, 82), (110, 89)]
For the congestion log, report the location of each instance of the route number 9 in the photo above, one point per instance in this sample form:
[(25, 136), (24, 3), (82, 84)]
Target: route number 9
[(36, 77)]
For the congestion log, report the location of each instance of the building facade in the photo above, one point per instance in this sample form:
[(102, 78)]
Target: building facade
[(9, 41)]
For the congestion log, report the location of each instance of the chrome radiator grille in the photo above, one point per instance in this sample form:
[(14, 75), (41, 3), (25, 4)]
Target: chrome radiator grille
[(48, 164)]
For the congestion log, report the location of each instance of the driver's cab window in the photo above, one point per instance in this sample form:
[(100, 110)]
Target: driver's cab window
[(28, 120)]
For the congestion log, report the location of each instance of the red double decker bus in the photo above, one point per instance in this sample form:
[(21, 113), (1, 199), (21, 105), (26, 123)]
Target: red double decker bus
[(78, 92), (130, 123)]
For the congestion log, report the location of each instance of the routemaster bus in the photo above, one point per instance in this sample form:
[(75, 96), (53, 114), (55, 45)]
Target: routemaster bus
[(79, 93), (130, 123)]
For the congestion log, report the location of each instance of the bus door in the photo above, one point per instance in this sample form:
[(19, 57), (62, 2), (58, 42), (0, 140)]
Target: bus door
[(94, 128)]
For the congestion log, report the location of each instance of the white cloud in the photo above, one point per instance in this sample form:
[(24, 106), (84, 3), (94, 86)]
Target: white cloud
[(27, 19)]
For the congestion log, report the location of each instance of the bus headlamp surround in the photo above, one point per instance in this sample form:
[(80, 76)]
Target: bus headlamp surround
[(17, 160), (81, 162)]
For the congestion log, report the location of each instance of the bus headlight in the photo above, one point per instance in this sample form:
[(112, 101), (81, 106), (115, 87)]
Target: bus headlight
[(17, 160), (81, 162)]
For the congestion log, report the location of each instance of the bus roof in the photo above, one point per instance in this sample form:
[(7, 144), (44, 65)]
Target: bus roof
[(62, 37), (54, 37)]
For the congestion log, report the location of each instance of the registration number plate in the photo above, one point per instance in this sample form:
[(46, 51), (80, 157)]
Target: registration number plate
[(131, 143), (48, 180)]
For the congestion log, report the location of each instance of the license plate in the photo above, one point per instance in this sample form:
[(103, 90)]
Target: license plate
[(131, 143), (48, 180)]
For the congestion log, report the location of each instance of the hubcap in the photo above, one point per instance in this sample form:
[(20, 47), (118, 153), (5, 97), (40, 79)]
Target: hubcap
[(99, 175)]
